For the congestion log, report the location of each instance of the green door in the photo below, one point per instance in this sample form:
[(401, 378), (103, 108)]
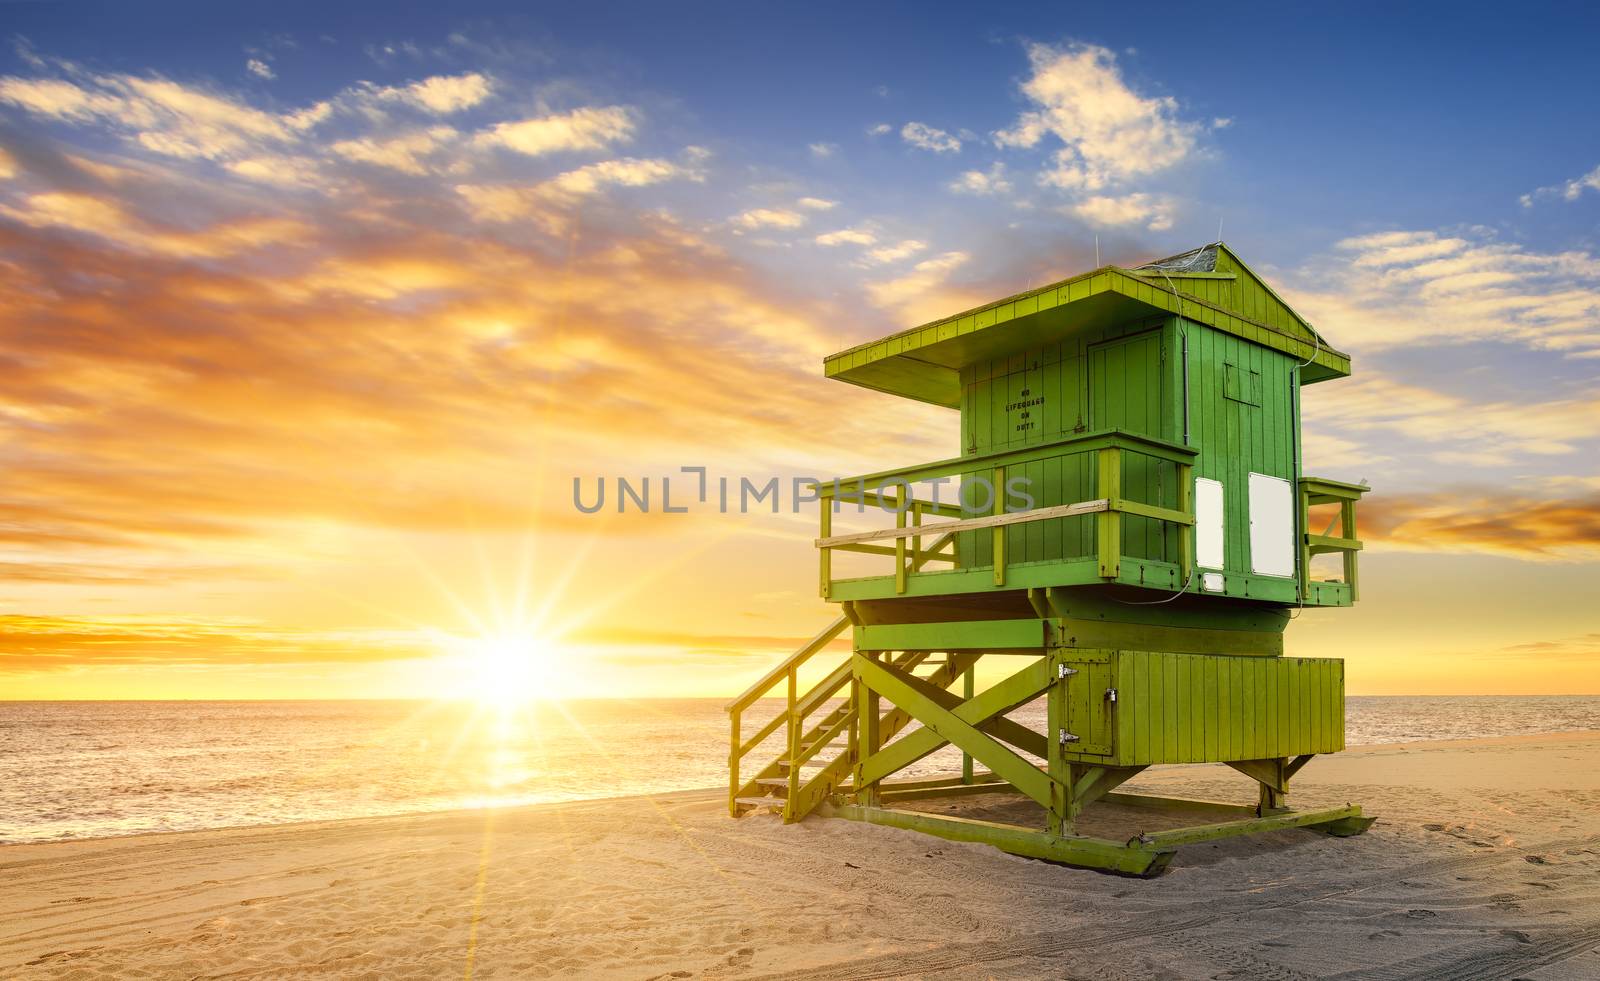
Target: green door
[(1128, 391)]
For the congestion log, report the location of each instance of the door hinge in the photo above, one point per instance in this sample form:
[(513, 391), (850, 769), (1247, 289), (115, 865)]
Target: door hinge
[(1062, 671), (1067, 737)]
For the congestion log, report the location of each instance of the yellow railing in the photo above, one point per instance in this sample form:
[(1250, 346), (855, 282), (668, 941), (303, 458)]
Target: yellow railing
[(891, 490), (801, 744), (1319, 490)]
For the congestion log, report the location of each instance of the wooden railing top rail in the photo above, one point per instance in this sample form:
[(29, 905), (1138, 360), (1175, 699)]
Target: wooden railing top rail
[(1103, 439), (823, 638)]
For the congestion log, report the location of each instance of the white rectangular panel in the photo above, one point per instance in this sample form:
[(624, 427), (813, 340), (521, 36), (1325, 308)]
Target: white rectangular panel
[(1209, 516), (1271, 526), (1212, 582)]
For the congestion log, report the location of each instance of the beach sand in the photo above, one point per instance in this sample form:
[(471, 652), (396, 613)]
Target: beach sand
[(1485, 863)]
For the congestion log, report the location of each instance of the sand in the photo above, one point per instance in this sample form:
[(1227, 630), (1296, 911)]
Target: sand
[(1485, 864)]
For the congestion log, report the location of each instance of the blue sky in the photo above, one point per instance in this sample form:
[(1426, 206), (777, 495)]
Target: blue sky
[(437, 232)]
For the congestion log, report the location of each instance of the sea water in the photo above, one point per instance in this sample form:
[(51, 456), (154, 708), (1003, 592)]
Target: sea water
[(91, 769)]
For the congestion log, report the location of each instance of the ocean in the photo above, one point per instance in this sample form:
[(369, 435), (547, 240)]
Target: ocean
[(93, 769)]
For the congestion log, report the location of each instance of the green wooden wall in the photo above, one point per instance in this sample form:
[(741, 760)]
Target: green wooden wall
[(1242, 419), (1200, 708)]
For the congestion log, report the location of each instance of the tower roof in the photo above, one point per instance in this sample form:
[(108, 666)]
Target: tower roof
[(1208, 285)]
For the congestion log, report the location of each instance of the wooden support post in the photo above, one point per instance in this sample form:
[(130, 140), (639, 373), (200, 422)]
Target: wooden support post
[(794, 743), (867, 725), (824, 555), (1305, 544), (1108, 523), (1060, 815), (1347, 518), (733, 766), (999, 532), (916, 543), (1185, 532), (968, 683), (900, 543)]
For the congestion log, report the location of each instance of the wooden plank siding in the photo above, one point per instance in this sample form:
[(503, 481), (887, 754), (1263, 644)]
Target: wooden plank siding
[(1198, 708)]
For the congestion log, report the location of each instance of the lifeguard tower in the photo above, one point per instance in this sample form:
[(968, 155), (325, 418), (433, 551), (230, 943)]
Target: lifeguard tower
[(1132, 536)]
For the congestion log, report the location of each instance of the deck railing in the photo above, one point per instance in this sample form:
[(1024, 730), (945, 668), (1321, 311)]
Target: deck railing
[(1320, 490), (891, 490), (798, 707)]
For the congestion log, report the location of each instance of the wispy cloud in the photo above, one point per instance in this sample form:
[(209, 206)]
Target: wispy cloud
[(925, 137), (1567, 190), (991, 181), (1405, 287), (1105, 210)]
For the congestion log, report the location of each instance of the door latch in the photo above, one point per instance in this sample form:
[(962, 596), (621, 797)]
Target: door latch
[(1111, 695)]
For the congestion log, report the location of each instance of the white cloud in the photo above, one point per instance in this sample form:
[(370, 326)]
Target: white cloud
[(260, 69), (1108, 132), (879, 129), (983, 183), (547, 202), (847, 236), (1221, 122), (822, 151), (894, 253), (449, 93), (1567, 190), (403, 153), (588, 128), (160, 115), (769, 218), (925, 137), (1154, 213), (1404, 287), (817, 204), (922, 293)]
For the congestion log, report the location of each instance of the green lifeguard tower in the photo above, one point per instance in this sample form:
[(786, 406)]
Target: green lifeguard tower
[(1132, 534)]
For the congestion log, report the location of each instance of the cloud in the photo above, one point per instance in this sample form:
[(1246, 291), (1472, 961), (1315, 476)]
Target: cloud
[(992, 181), (260, 69), (38, 643), (1107, 132), (879, 129), (847, 236), (1567, 191), (159, 115), (823, 151), (1455, 428), (406, 153), (1397, 288), (107, 219), (925, 137), (445, 94), (922, 293), (817, 204), (769, 218), (1467, 521), (548, 200), (588, 128), (894, 253), (1154, 213)]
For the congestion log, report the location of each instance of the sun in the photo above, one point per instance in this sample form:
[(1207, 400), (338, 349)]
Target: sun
[(508, 668)]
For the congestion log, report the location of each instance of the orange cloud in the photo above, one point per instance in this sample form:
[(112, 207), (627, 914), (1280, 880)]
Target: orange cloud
[(1468, 521)]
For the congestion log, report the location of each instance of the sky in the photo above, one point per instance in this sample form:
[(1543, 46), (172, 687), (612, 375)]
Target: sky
[(312, 316)]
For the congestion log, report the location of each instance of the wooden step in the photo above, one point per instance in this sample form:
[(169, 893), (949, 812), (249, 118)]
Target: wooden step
[(760, 801), (773, 782)]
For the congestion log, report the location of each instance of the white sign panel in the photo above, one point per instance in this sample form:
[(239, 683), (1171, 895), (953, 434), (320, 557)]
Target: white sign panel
[(1209, 517), (1271, 526)]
